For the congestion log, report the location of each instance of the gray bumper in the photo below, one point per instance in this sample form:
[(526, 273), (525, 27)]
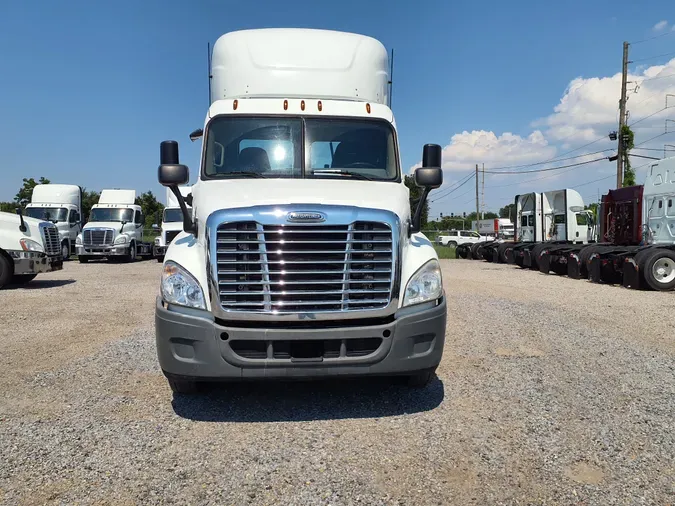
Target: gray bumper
[(199, 348), (102, 251), (159, 251), (35, 263)]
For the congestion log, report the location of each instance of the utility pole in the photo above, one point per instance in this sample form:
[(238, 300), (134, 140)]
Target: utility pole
[(482, 195), (477, 201), (622, 117)]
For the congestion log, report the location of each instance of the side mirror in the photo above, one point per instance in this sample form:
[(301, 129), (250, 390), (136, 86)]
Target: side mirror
[(171, 173), (197, 134), (155, 226), (429, 177)]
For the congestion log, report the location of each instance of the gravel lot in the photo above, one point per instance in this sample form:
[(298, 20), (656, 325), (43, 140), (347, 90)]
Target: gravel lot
[(551, 391)]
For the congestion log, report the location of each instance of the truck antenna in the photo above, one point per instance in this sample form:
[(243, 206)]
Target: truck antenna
[(208, 59), (391, 77)]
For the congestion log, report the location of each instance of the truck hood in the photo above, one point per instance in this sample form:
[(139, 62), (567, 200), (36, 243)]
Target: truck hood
[(10, 222), (210, 196), (115, 225)]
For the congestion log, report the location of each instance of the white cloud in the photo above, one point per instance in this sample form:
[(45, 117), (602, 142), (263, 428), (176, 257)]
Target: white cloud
[(480, 146), (589, 107), (661, 25)]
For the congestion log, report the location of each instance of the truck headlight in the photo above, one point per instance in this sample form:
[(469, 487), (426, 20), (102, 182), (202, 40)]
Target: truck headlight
[(156, 241), (29, 245), (425, 285), (78, 239), (122, 239), (180, 288)]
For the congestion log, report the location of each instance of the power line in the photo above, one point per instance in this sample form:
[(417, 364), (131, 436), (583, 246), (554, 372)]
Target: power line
[(653, 57), (646, 117), (594, 181), (548, 161), (535, 179), (466, 180), (670, 32), (656, 149), (552, 168)]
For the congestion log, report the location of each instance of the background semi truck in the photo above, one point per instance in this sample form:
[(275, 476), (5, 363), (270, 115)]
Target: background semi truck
[(62, 205), (302, 256), (114, 229), (498, 228), (28, 246), (172, 222)]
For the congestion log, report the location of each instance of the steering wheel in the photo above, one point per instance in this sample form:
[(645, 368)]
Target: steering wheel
[(359, 165)]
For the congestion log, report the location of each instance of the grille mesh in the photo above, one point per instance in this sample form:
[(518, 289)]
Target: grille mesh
[(170, 236), (50, 236), (98, 237), (304, 268)]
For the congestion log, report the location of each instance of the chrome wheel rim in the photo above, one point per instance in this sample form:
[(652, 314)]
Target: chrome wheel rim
[(663, 270)]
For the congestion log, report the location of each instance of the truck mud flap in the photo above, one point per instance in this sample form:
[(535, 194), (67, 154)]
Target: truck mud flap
[(631, 275), (545, 262), (574, 267)]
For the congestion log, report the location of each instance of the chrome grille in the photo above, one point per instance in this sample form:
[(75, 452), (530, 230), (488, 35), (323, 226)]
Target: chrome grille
[(50, 238), (98, 237), (304, 268)]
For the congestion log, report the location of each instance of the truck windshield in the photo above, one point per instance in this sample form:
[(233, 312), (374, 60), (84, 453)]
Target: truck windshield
[(105, 214), (173, 215), (266, 147), (48, 213)]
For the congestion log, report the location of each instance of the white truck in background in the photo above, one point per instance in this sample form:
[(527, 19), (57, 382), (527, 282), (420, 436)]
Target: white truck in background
[(172, 221), (454, 238), (28, 246), (302, 256), (114, 229), (62, 205), (496, 228)]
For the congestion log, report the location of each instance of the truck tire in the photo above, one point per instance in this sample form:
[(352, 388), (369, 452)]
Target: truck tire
[(65, 250), (131, 257), (181, 386), (6, 269), (659, 269), (22, 279), (160, 259), (452, 244), (422, 378), (83, 259), (476, 253)]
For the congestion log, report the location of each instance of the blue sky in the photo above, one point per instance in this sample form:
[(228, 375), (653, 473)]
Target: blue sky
[(89, 89)]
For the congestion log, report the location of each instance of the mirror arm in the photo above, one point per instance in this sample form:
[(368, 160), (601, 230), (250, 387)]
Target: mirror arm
[(22, 226), (188, 224), (416, 224)]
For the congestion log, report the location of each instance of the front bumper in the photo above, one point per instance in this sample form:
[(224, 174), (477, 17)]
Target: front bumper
[(102, 251), (158, 251), (198, 348), (34, 263)]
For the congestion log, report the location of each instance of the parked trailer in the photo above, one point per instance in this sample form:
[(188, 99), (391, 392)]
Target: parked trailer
[(640, 223)]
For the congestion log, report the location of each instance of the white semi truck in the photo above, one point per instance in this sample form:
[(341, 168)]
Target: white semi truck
[(62, 205), (172, 222), (496, 228), (302, 256), (28, 246), (114, 229)]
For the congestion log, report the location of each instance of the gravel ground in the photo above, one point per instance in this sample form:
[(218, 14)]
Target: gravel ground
[(551, 391)]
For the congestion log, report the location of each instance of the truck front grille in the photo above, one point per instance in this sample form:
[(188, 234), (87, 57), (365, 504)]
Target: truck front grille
[(50, 238), (98, 237), (169, 236), (304, 268)]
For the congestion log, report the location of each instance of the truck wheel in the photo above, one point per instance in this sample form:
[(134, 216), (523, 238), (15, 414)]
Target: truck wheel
[(659, 270), (65, 250), (422, 378), (22, 279), (160, 259), (83, 259), (452, 244), (5, 270), (183, 386), (131, 257)]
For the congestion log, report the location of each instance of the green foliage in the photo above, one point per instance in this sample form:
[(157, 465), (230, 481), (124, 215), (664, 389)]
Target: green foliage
[(416, 194), (26, 191), (593, 207), (152, 208), (89, 198), (445, 252), (508, 211), (628, 139), (8, 207)]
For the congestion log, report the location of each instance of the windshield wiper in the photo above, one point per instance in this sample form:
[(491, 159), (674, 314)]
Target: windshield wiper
[(343, 173), (242, 173)]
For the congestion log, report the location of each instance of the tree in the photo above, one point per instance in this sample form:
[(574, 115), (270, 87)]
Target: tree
[(8, 207), (508, 211), (89, 198), (593, 207), (627, 137), (415, 195), (152, 208), (25, 193)]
